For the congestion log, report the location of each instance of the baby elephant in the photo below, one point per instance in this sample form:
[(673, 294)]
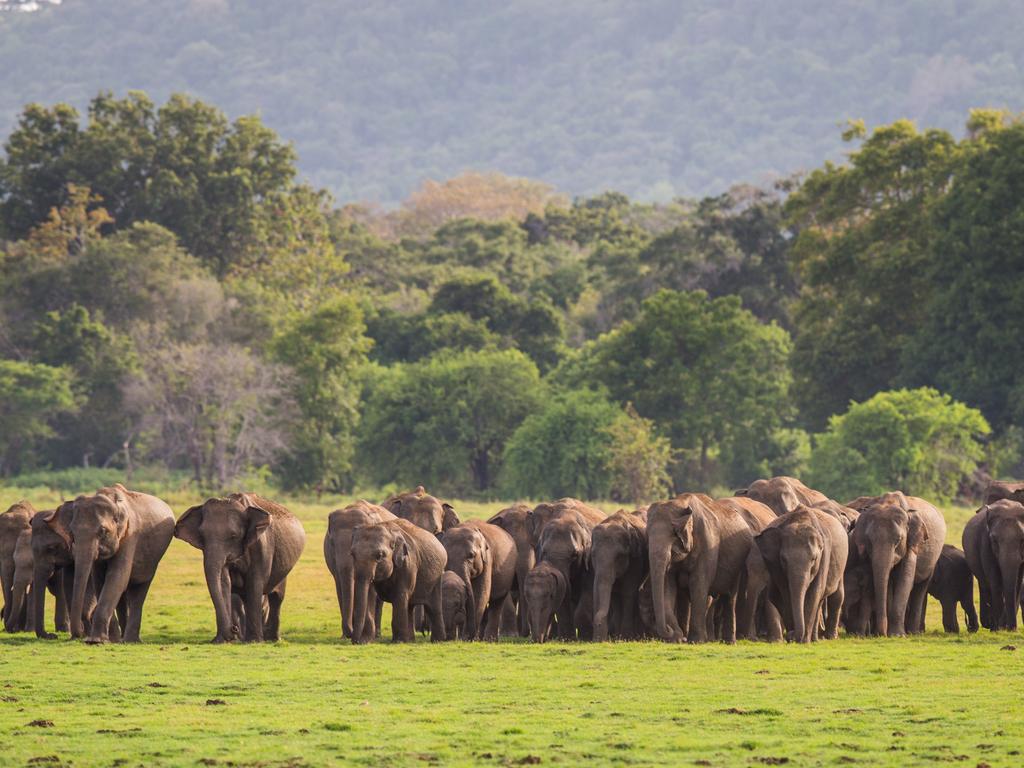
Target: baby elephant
[(545, 590), (456, 606), (484, 557), (953, 583), (249, 544)]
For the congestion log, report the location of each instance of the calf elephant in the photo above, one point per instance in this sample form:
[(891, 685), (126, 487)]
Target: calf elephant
[(512, 520), (994, 547), (898, 539), (405, 565), (455, 606), (783, 494), (124, 534), (20, 617), (249, 544), (484, 556), (422, 509), (619, 559), (546, 589), (697, 549), (953, 583), (338, 553), (15, 521), (52, 560)]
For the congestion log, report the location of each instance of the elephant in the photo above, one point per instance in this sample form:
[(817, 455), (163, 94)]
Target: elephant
[(538, 517), (953, 583), (805, 551), (422, 509), (899, 539), (546, 589), (338, 553), (52, 559), (20, 617), (565, 543), (697, 548), (249, 544), (485, 557), (619, 560), (455, 606), (405, 565), (122, 534), (16, 520), (755, 579), (513, 521), (1001, 489), (994, 547), (783, 494)]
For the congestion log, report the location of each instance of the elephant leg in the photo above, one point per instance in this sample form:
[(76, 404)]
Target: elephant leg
[(699, 586), (674, 612), (272, 628), (970, 615), (60, 608), (376, 613), (949, 618), (135, 596), (419, 619), (435, 613), (254, 592), (729, 618), (916, 607), (564, 617), (835, 610), (344, 588), (401, 631), (115, 582)]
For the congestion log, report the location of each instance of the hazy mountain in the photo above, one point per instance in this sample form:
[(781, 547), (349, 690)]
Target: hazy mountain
[(654, 99)]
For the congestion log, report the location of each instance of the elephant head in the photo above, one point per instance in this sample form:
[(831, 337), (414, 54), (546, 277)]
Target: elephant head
[(999, 489), (455, 605), (377, 551), (565, 543), (782, 494), (224, 529), (1004, 531), (423, 510), (469, 556), (99, 525), (545, 589)]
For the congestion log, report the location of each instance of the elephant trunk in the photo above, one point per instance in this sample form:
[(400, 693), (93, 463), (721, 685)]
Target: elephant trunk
[(18, 618), (213, 567), (85, 554), (540, 621), (659, 572), (603, 581), (344, 583), (881, 568), (472, 628), (1010, 573), (362, 590), (798, 585), (903, 585)]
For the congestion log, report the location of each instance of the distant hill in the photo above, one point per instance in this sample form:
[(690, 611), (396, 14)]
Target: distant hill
[(663, 98)]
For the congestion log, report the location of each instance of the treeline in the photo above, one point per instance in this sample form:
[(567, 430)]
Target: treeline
[(172, 295)]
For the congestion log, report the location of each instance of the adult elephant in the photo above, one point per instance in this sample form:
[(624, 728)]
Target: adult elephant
[(619, 561), (338, 553), (512, 520), (124, 534), (1001, 489), (898, 539), (756, 579), (405, 565), (250, 544), (994, 547), (422, 509), (484, 556), (697, 549), (953, 583), (20, 618), (538, 517), (15, 521), (783, 494), (805, 551)]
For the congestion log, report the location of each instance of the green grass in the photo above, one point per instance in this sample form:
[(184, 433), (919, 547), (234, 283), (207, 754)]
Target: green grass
[(314, 700)]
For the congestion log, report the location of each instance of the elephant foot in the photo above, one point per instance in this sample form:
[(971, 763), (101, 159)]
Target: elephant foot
[(95, 640), (46, 636), (218, 640)]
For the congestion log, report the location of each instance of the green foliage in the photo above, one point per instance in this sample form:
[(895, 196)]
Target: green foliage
[(564, 449), (638, 459), (444, 422), (920, 441), (32, 397)]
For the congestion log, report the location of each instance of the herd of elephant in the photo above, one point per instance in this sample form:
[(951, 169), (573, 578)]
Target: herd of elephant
[(777, 560)]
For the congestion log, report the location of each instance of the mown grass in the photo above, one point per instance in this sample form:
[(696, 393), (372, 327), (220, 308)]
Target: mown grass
[(313, 700)]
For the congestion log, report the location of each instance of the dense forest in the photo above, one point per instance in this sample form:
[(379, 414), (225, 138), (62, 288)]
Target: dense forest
[(173, 296), (677, 98)]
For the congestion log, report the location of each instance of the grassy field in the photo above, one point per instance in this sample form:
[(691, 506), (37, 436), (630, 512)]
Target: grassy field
[(313, 700)]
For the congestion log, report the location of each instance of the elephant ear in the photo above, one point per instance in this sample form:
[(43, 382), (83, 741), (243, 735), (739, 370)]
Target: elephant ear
[(258, 520), (55, 522), (400, 551), (187, 527), (581, 544), (917, 533), (683, 523), (450, 519), (769, 543), (741, 492), (789, 500)]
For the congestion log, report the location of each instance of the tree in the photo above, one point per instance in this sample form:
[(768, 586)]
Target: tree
[(638, 459), (704, 370), (445, 421), (563, 449), (324, 349), (32, 397), (919, 441)]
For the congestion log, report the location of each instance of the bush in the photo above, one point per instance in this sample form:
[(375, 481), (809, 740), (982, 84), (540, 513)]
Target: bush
[(919, 441)]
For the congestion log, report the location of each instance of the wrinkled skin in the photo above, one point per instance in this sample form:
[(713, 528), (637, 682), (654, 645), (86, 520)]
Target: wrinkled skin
[(805, 551), (783, 494), (455, 606), (15, 521), (20, 617), (423, 510), (512, 520), (405, 565), (898, 539), (124, 534), (565, 543), (994, 547), (1000, 489), (249, 544), (546, 589), (338, 554), (953, 583), (484, 556), (619, 561), (698, 550)]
